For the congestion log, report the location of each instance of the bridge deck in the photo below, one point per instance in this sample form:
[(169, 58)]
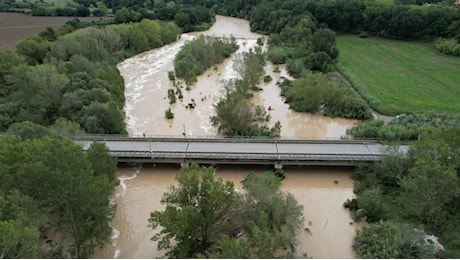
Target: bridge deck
[(236, 151)]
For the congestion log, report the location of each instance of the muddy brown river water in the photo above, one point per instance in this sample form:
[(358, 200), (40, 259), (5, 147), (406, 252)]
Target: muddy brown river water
[(321, 191)]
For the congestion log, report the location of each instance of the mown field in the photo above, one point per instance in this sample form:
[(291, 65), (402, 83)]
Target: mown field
[(398, 76), (17, 26)]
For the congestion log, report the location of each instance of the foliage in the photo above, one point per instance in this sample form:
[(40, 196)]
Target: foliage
[(33, 48), (316, 93), (235, 116), (19, 226), (389, 240), (201, 204), (78, 81), (208, 218), (200, 54), (448, 46), (404, 127), (319, 61), (169, 114), (267, 78), (324, 41), (53, 178), (250, 66), (277, 55), (419, 187)]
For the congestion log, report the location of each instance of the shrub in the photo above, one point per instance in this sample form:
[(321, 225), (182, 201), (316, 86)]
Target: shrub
[(448, 46), (169, 114), (267, 78), (277, 55)]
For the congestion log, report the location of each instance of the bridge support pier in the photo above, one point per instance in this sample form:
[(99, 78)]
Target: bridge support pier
[(278, 166)]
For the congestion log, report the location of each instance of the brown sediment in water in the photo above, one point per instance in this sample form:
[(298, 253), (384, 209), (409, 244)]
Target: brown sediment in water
[(330, 233), (146, 81)]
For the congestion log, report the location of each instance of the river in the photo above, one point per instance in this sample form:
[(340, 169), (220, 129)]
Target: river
[(322, 191)]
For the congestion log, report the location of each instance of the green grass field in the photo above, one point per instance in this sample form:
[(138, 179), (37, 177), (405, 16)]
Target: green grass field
[(397, 76)]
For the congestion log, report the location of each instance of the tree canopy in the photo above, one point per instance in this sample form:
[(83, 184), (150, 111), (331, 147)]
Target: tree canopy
[(421, 188), (207, 217), (50, 185)]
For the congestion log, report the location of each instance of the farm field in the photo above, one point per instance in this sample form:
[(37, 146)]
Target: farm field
[(397, 76), (17, 26)]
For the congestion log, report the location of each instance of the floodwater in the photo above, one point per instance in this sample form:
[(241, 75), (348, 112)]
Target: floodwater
[(147, 83), (322, 191)]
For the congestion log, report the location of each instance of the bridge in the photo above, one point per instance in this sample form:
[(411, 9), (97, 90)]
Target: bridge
[(276, 152)]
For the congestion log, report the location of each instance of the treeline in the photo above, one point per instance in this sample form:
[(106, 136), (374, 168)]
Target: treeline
[(200, 54), (74, 78), (404, 198), (188, 17), (405, 127), (54, 198), (399, 22), (41, 8)]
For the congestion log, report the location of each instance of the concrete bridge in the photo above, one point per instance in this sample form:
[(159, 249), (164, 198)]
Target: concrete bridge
[(276, 152)]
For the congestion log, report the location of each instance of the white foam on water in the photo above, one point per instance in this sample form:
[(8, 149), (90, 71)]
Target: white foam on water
[(118, 194)]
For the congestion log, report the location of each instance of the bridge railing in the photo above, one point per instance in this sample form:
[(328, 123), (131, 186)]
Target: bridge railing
[(246, 156), (171, 138)]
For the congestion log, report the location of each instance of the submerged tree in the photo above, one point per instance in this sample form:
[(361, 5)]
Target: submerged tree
[(235, 116), (205, 217), (196, 211)]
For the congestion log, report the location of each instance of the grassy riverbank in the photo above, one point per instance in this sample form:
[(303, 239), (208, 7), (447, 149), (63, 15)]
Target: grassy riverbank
[(398, 76)]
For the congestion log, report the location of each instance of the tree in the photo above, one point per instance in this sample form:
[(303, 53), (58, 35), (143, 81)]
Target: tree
[(34, 49), (55, 175), (100, 118), (28, 130), (8, 60), (17, 241), (250, 66), (235, 116), (19, 226), (208, 218), (74, 199), (387, 239), (196, 210), (324, 40), (432, 187), (101, 162), (37, 90)]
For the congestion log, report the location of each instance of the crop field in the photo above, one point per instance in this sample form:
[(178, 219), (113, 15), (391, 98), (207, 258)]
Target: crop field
[(397, 76), (16, 26)]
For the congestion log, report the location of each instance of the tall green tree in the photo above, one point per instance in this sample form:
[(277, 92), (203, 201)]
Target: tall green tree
[(196, 210), (34, 49), (235, 115), (205, 217), (37, 92), (58, 176)]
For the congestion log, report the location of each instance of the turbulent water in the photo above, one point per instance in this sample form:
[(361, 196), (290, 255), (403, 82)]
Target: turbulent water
[(322, 191)]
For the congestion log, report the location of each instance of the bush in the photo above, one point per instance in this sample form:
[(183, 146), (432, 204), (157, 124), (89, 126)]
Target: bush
[(277, 55), (267, 78), (448, 46), (316, 93), (169, 114), (320, 61), (363, 35)]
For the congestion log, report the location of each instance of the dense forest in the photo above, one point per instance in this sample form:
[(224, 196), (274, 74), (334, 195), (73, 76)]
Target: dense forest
[(52, 191)]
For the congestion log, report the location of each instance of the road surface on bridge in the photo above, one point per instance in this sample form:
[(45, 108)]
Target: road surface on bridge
[(246, 151)]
